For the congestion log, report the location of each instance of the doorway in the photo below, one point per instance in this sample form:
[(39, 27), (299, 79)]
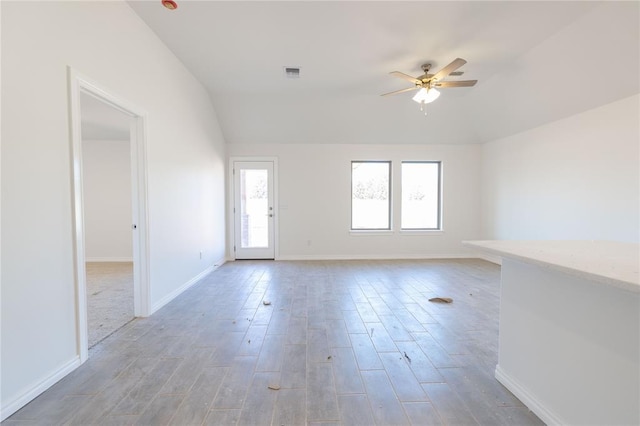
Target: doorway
[(254, 209), (83, 92), (106, 191)]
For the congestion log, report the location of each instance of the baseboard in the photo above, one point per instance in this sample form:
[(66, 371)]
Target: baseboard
[(17, 403), (177, 292), (374, 256), (108, 259), (528, 398)]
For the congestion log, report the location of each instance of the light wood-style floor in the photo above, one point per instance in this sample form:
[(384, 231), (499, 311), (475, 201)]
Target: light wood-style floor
[(341, 342)]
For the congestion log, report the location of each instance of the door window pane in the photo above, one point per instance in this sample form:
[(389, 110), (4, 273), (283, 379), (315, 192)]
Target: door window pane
[(370, 189), (254, 208), (420, 195)]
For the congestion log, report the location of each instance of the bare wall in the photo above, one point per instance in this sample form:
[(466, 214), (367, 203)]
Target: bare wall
[(106, 172), (314, 190), (573, 179), (185, 158)]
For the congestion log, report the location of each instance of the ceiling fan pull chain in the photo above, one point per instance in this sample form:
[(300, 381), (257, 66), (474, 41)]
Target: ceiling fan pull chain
[(423, 108)]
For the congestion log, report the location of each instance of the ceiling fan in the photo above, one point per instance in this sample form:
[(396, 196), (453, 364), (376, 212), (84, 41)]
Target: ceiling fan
[(427, 83)]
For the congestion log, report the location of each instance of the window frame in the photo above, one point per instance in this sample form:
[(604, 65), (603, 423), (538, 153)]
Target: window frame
[(389, 199), (439, 196)]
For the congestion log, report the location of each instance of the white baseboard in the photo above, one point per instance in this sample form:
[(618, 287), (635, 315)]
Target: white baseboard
[(528, 399), (374, 256), (177, 292), (20, 401), (108, 259)]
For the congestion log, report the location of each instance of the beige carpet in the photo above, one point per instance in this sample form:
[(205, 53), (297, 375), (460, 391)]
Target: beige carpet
[(109, 298)]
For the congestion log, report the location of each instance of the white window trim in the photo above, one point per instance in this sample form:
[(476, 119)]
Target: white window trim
[(370, 232), (373, 231), (426, 231)]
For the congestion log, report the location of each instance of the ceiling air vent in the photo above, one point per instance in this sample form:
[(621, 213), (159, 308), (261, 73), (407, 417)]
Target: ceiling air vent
[(292, 72)]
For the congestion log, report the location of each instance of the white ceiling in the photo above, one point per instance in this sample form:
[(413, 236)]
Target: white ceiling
[(535, 61)]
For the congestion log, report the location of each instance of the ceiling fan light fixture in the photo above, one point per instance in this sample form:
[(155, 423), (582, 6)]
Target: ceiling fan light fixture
[(425, 96)]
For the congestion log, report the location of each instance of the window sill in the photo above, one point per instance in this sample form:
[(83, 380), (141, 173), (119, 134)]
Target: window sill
[(369, 232), (421, 232)]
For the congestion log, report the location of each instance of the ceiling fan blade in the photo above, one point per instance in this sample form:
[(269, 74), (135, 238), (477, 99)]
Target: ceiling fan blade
[(457, 63), (405, 77), (463, 83), (401, 91)]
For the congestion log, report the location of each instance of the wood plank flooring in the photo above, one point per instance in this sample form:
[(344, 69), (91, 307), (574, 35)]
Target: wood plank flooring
[(341, 343)]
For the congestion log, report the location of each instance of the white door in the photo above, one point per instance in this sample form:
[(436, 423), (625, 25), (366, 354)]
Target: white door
[(253, 210)]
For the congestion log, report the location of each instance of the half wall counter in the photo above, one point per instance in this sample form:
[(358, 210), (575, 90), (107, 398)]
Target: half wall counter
[(569, 343)]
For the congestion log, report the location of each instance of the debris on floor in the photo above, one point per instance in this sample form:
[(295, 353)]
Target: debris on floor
[(274, 387), (441, 299), (266, 302), (329, 357), (407, 357)]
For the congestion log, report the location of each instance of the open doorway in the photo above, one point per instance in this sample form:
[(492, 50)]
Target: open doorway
[(106, 187), (110, 211)]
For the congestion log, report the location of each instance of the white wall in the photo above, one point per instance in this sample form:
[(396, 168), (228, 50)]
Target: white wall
[(576, 178), (106, 172), (107, 42), (314, 191), (561, 76)]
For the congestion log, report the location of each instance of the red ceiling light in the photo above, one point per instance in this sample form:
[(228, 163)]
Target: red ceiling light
[(170, 4)]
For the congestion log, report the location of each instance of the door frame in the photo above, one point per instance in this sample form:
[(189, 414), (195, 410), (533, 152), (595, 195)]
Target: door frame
[(232, 203), (79, 84)]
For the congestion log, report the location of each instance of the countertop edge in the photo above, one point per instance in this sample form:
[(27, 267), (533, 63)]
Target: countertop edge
[(621, 284)]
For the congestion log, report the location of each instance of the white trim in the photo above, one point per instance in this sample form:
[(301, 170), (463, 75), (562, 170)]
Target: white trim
[(375, 256), (402, 232), (528, 398), (35, 390), (421, 232), (184, 287), (231, 204), (108, 259), (79, 84), (490, 258), (370, 232)]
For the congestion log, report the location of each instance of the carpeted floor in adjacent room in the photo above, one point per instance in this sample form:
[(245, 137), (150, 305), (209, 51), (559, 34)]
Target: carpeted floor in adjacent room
[(109, 298)]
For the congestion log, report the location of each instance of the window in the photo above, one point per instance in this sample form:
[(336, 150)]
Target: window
[(420, 195), (370, 190)]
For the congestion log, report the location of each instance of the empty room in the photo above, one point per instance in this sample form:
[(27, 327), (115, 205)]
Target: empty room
[(328, 213)]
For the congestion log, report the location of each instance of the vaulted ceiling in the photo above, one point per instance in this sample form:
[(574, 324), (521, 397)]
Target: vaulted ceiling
[(536, 62)]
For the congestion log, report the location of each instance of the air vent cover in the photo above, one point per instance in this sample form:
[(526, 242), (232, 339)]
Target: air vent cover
[(292, 72)]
